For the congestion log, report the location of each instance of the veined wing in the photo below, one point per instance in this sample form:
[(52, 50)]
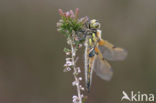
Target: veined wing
[(102, 68), (110, 52), (88, 61)]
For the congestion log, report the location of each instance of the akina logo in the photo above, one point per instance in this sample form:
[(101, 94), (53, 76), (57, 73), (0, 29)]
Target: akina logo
[(137, 96)]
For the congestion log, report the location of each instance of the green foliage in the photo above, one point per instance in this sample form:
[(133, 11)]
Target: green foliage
[(66, 50), (69, 25)]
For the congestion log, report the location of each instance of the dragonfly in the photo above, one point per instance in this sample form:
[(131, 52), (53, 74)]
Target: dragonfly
[(97, 52)]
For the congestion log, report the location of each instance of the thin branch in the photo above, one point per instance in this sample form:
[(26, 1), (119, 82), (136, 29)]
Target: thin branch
[(75, 73)]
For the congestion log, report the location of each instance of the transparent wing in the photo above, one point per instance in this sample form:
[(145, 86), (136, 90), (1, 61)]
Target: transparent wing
[(102, 68), (88, 61), (112, 53)]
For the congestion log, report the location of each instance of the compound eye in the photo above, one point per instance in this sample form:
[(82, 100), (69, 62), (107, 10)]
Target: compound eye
[(97, 25), (94, 24)]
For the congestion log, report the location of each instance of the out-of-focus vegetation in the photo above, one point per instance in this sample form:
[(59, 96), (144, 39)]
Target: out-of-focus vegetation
[(31, 50)]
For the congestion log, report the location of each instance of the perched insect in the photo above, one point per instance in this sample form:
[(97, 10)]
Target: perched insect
[(97, 51)]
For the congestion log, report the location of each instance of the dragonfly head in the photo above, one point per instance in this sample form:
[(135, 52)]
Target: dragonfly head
[(94, 24)]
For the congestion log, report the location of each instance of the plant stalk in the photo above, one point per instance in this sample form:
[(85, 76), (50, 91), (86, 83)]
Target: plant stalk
[(75, 72)]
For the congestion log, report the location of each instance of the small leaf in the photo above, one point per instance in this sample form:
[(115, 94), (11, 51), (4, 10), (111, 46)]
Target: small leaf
[(66, 50)]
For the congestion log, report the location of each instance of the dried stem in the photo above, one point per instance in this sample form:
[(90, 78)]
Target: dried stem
[(75, 72)]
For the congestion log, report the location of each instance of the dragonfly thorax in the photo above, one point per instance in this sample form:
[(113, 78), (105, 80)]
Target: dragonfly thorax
[(92, 52)]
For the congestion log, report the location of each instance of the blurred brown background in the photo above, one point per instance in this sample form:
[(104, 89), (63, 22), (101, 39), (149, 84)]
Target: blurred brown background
[(32, 58)]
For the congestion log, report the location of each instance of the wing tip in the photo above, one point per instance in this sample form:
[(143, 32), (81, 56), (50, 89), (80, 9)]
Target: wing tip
[(107, 77), (125, 54)]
